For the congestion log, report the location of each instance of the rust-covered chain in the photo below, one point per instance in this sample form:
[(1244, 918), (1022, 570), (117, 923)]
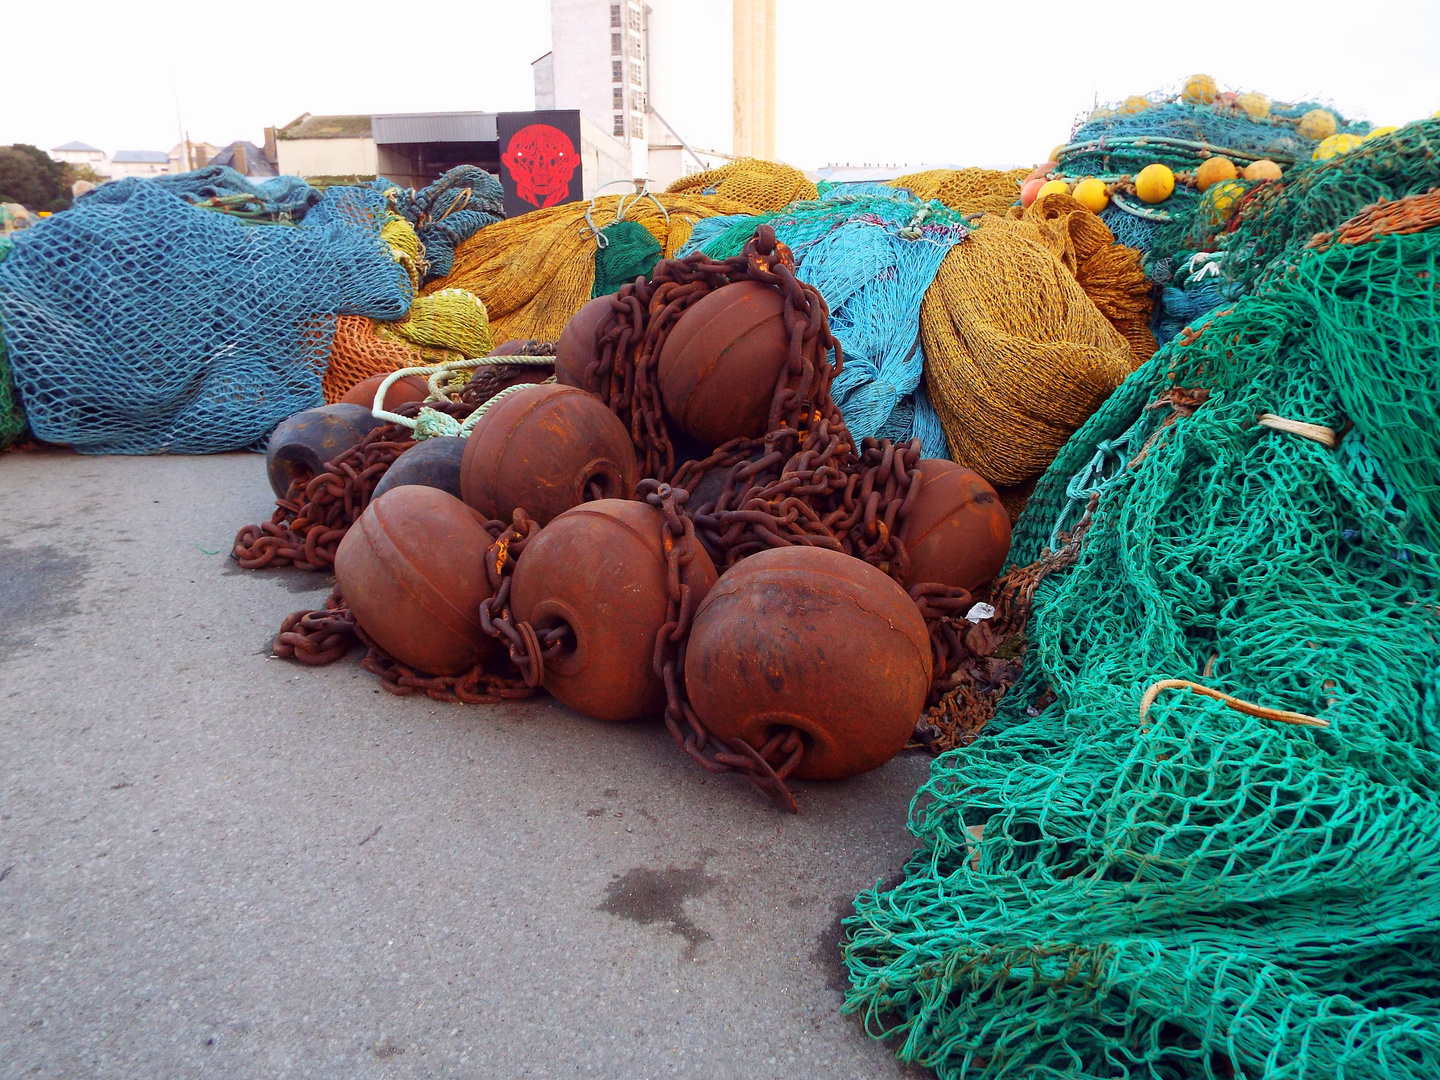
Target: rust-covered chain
[(766, 766), (310, 521), (317, 637), (528, 648), (489, 380)]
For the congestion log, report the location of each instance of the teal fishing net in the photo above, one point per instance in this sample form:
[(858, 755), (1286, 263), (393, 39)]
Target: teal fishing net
[(1182, 135), (872, 256), (1203, 893), (135, 323)]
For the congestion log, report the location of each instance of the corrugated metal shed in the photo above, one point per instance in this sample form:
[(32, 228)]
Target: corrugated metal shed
[(141, 157), (468, 127)]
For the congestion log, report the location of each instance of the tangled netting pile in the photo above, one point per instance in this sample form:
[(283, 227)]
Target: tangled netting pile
[(1201, 892), (990, 339), (136, 323)]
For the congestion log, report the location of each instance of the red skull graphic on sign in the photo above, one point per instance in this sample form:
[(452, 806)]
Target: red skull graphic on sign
[(542, 159)]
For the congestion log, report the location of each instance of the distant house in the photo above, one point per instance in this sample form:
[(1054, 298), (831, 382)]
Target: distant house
[(139, 163), (191, 155), (79, 153), (327, 146), (245, 158)]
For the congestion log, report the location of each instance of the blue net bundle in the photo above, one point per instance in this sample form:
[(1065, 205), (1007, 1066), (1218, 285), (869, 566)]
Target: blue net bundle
[(872, 256), (453, 208), (136, 323), (1197, 891), (219, 187)]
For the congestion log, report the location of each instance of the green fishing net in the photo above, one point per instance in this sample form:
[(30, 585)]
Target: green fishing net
[(1207, 893)]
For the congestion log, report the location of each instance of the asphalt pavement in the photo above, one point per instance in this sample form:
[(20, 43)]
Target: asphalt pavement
[(218, 863)]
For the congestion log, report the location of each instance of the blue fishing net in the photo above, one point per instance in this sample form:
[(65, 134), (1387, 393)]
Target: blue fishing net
[(454, 208), (219, 187), (135, 323)]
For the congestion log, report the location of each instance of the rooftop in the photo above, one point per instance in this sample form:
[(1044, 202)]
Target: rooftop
[(141, 157), (306, 126), (78, 147)]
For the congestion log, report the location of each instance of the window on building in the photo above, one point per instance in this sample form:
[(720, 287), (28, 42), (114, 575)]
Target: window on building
[(634, 19), (617, 70), (637, 126), (635, 74), (615, 48), (619, 97), (615, 15), (635, 47), (619, 124)]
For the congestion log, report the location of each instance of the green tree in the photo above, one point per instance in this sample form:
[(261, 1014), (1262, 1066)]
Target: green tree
[(29, 177)]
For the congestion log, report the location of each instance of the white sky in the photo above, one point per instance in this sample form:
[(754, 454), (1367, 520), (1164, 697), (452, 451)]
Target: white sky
[(904, 81)]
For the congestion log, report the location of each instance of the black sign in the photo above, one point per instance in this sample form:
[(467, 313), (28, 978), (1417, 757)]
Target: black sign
[(539, 159)]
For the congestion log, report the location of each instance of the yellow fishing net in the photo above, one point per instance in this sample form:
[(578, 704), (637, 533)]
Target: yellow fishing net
[(1017, 355), (1110, 273), (971, 191), (535, 271), (761, 186)]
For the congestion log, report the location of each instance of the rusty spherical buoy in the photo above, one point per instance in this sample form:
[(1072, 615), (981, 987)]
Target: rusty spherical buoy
[(577, 348), (412, 569), (816, 640), (958, 532), (721, 361), (433, 462), (303, 444), (404, 389), (545, 449), (601, 568)]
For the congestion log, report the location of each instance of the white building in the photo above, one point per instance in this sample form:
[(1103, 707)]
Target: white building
[(137, 163), (79, 153), (655, 75)]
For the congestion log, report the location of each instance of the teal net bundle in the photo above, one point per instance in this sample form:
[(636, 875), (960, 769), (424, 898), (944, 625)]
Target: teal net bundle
[(1181, 135), (624, 250), (1203, 893), (1275, 221), (456, 206), (135, 323), (872, 256)]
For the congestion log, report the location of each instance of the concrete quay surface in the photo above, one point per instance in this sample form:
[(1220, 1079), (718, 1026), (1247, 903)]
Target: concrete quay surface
[(217, 863)]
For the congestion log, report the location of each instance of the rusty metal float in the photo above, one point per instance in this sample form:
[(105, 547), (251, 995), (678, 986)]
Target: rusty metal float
[(545, 449), (578, 347), (301, 445), (816, 640), (412, 570), (721, 362), (406, 388), (957, 531), (601, 568)]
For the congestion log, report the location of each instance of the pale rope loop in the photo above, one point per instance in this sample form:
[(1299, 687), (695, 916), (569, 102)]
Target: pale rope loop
[(1235, 703), (379, 411), (1318, 432), (431, 423)]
